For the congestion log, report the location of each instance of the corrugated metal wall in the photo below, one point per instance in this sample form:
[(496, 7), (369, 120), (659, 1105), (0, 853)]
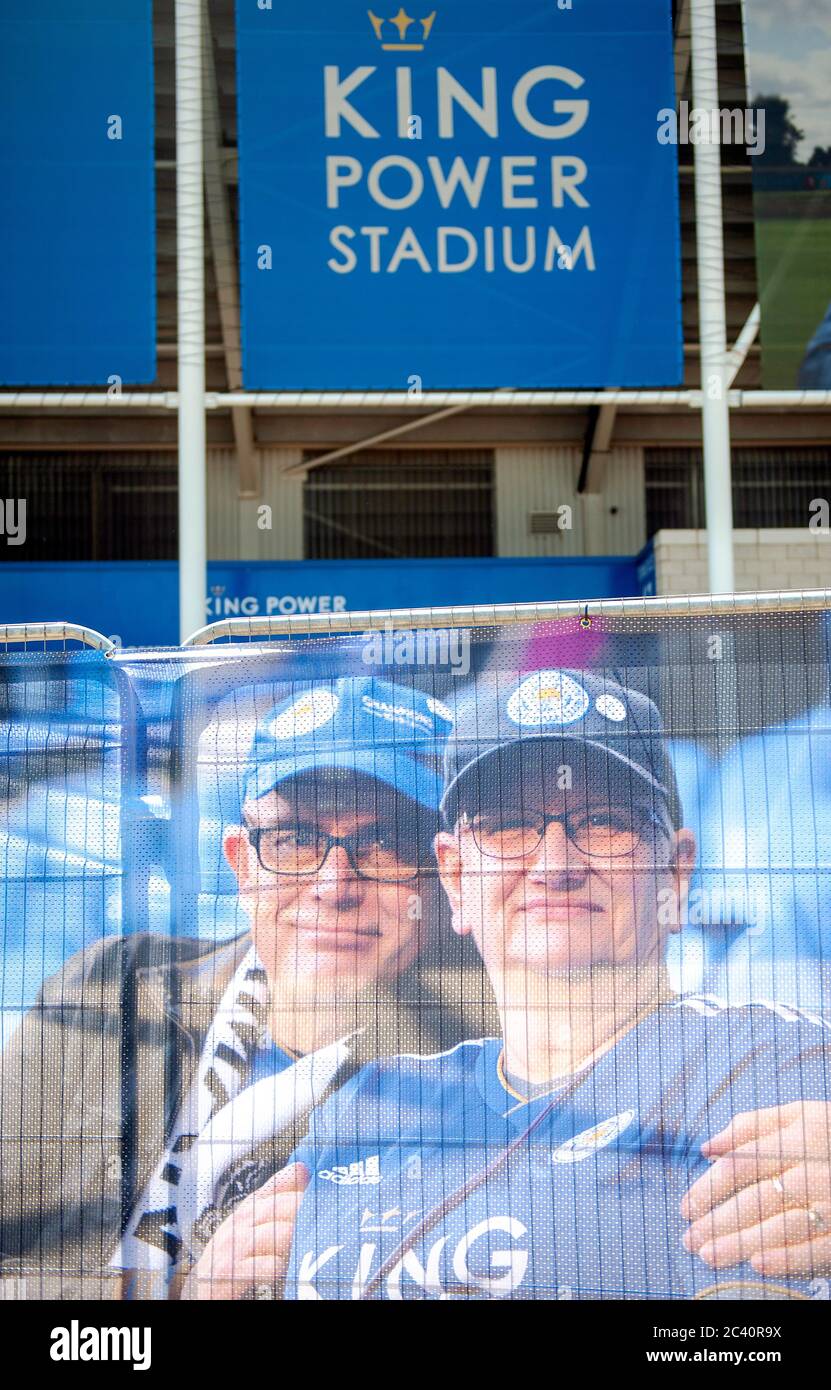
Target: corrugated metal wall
[(609, 522), (235, 527)]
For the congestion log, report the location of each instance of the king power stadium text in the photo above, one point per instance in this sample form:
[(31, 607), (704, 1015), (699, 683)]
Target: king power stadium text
[(524, 181)]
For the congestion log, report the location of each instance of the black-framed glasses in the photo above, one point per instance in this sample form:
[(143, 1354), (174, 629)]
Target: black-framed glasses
[(384, 852), (609, 832)]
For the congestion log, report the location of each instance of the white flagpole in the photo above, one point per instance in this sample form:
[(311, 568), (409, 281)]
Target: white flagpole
[(190, 296), (711, 305)]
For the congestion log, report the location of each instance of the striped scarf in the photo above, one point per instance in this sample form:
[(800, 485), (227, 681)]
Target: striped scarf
[(210, 1162)]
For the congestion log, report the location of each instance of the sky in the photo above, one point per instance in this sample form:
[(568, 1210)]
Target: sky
[(789, 54)]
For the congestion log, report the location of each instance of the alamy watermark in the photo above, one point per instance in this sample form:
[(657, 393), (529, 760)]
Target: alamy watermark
[(737, 126), (724, 905), (13, 520), (77, 1343), (435, 646), (820, 516)]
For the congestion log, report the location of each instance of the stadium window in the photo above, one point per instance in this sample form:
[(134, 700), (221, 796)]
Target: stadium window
[(93, 507), (393, 504), (771, 487)]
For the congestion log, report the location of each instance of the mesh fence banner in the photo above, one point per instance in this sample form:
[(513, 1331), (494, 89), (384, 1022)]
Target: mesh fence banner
[(454, 963)]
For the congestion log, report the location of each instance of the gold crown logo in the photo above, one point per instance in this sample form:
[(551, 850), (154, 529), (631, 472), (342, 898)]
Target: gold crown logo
[(402, 22)]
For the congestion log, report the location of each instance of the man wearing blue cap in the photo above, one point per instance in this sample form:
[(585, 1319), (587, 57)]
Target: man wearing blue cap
[(232, 1046), (553, 1161)]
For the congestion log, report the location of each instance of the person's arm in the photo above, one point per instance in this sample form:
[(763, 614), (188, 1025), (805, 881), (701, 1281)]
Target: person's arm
[(251, 1248), (767, 1196)]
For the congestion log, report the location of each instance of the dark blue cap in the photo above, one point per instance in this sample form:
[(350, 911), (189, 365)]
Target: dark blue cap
[(393, 733), (584, 708)]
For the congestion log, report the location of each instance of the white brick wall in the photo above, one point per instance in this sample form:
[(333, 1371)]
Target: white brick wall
[(782, 558)]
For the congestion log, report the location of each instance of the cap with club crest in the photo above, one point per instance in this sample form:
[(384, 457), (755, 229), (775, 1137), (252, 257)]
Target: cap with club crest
[(609, 728), (393, 733)]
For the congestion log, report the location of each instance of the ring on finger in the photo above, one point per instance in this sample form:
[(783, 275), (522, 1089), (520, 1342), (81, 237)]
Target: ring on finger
[(816, 1218)]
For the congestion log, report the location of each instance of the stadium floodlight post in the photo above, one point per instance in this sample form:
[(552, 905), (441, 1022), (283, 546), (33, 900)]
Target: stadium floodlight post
[(190, 302), (715, 406)]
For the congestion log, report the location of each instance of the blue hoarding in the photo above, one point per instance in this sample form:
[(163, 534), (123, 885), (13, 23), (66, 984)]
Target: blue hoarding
[(472, 198), (77, 235), (138, 600)]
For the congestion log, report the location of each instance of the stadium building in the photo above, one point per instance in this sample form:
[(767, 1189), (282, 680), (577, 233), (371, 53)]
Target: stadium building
[(604, 499)]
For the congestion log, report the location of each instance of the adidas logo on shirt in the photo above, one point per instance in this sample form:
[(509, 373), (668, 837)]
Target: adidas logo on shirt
[(366, 1172)]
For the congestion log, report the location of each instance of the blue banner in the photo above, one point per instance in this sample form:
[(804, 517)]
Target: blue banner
[(138, 600), (77, 231), (473, 198)]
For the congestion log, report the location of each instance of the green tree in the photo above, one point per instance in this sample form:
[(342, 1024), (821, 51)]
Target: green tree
[(821, 158), (782, 136)]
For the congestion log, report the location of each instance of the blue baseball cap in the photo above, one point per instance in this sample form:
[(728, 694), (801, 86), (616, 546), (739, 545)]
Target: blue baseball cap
[(393, 733), (603, 721)]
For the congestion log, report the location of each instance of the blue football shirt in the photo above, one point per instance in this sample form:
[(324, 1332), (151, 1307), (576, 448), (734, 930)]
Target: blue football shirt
[(269, 1060), (408, 1164)]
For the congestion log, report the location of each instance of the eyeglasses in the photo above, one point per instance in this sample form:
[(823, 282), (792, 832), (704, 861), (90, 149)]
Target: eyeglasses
[(605, 833), (386, 853)]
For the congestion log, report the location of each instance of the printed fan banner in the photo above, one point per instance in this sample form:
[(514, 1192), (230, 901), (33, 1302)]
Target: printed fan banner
[(467, 941)]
